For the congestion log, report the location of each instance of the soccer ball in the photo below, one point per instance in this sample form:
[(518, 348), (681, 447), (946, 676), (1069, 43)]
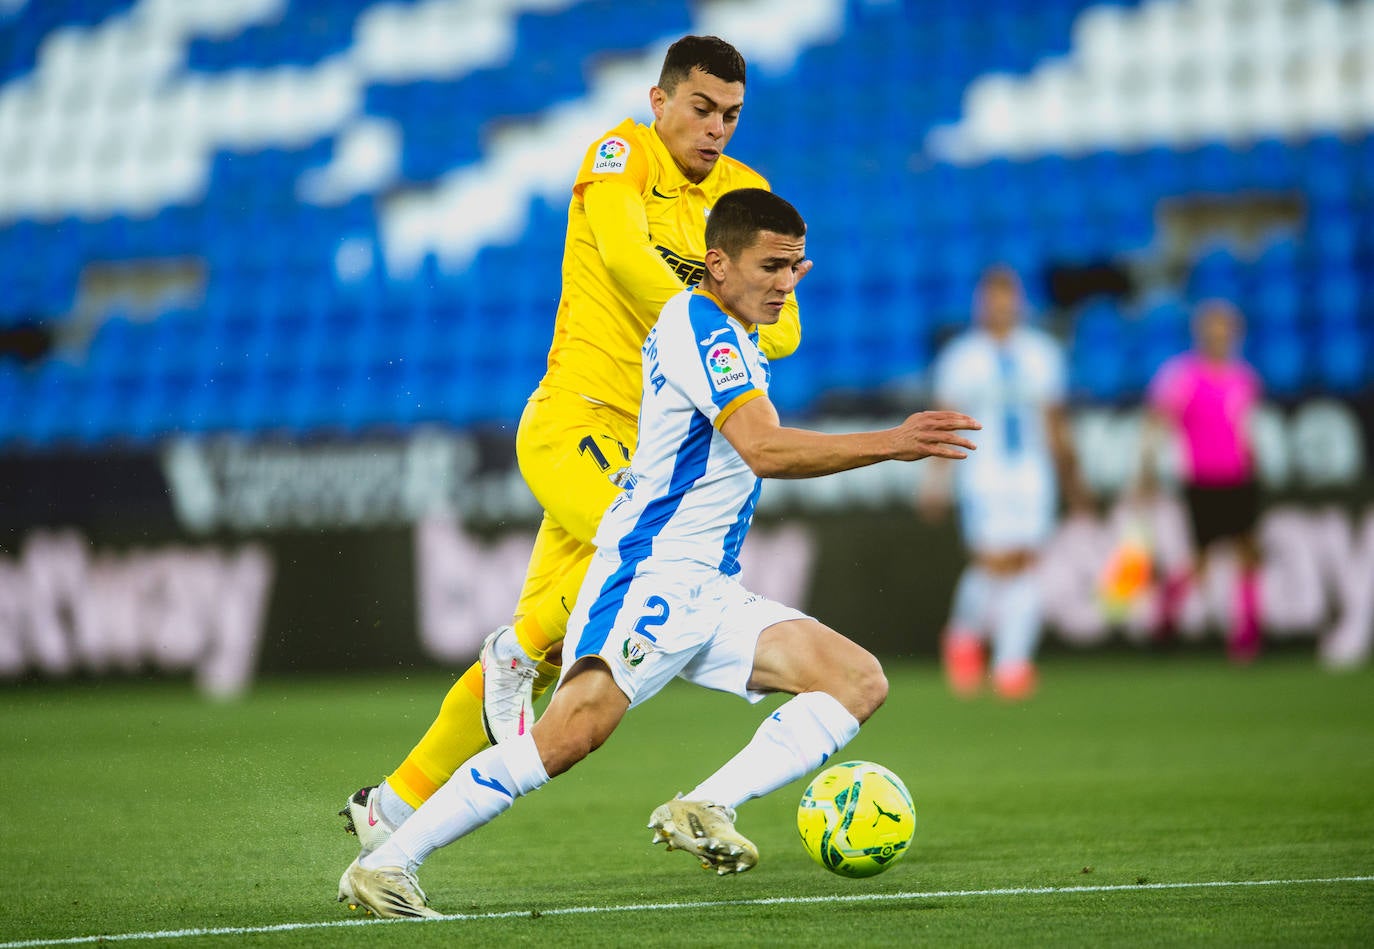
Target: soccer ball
[(856, 819)]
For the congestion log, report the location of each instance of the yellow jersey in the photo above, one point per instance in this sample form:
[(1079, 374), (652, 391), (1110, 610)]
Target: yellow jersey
[(601, 324)]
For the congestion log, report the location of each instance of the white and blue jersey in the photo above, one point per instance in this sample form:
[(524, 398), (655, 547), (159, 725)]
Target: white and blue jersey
[(1006, 488), (662, 597), (689, 495)]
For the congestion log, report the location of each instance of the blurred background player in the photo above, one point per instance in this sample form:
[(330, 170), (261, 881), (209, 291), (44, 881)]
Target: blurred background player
[(1011, 377), (635, 238), (1206, 398)]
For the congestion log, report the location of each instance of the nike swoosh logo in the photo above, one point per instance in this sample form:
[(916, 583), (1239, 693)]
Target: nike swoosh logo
[(372, 809), (566, 607), (712, 338), (660, 194)]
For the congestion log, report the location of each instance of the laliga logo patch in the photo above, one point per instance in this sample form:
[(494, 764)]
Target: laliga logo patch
[(727, 366), (634, 649), (611, 155)]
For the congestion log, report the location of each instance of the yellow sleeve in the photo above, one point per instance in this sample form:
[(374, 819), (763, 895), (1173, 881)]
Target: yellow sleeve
[(620, 155), (615, 214), (781, 339)]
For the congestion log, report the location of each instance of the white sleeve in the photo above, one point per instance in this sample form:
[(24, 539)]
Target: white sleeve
[(712, 366)]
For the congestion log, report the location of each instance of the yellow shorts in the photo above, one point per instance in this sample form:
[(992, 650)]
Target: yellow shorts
[(569, 450)]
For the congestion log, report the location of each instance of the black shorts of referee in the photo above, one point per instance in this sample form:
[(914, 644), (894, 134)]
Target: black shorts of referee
[(1222, 512)]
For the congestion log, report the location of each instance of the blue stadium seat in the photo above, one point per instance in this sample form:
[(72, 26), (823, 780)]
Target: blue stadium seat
[(24, 33), (1281, 359), (56, 392), (1334, 234), (1277, 306), (1326, 167), (12, 395), (1098, 364), (1163, 331), (1336, 298), (1271, 164), (279, 341), (1342, 361), (308, 32), (1217, 273)]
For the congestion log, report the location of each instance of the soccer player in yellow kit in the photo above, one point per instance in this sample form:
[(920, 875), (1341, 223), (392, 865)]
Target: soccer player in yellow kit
[(635, 238)]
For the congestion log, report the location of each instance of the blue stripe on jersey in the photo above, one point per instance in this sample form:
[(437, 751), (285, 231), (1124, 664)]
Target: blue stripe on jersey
[(719, 349), (638, 542), (734, 538), (601, 617), (688, 465), (1011, 419)]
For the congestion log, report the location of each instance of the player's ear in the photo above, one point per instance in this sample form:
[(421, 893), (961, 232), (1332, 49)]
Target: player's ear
[(657, 100), (715, 263)]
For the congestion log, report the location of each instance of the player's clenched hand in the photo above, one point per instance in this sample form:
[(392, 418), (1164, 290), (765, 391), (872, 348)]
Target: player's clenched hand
[(934, 434)]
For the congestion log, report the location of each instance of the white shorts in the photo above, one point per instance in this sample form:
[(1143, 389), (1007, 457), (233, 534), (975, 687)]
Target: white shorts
[(1012, 512), (652, 620)]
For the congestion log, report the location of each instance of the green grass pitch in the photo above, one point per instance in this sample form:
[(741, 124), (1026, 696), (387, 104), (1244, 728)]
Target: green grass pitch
[(138, 808)]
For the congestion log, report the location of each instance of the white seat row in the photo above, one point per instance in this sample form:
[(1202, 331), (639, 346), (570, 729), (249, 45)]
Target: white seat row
[(1178, 72)]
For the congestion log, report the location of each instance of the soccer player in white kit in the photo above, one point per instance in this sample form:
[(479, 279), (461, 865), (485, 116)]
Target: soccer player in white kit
[(1010, 376), (662, 599)]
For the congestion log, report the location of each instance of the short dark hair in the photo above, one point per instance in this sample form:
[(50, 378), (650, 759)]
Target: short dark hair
[(711, 54), (740, 215)]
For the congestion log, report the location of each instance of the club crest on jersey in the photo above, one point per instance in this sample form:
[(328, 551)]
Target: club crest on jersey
[(634, 649), (727, 366), (611, 155)]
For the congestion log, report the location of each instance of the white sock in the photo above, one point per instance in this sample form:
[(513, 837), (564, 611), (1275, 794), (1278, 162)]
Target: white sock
[(795, 740), (973, 601), (395, 810), (1017, 633), (482, 789)]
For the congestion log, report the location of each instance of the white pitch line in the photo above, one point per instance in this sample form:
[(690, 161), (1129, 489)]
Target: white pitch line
[(668, 907)]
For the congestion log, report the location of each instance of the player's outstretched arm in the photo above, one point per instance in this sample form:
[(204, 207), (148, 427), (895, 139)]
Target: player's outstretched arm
[(774, 451)]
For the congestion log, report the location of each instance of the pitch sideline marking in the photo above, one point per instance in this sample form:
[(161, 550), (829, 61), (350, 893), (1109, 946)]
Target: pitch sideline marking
[(649, 907)]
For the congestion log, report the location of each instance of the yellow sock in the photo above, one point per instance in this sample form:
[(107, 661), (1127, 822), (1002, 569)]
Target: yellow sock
[(547, 623), (454, 737), (545, 675)]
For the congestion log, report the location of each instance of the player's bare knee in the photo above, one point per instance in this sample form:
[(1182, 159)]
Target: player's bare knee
[(860, 685), (870, 687)]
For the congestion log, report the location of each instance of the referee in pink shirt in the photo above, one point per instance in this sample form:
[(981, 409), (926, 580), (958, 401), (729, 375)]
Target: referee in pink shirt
[(1206, 397)]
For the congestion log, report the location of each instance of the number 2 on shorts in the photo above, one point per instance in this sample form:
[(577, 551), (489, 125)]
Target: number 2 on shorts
[(658, 617)]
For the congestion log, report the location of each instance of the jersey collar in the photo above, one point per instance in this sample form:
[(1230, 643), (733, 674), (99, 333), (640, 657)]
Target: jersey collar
[(671, 178), (749, 328)]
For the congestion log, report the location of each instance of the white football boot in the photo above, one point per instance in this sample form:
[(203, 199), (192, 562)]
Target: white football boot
[(388, 891), (705, 830), (507, 687), (363, 817)]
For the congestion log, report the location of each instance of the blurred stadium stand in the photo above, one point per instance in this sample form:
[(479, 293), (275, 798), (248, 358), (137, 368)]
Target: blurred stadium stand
[(343, 216)]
